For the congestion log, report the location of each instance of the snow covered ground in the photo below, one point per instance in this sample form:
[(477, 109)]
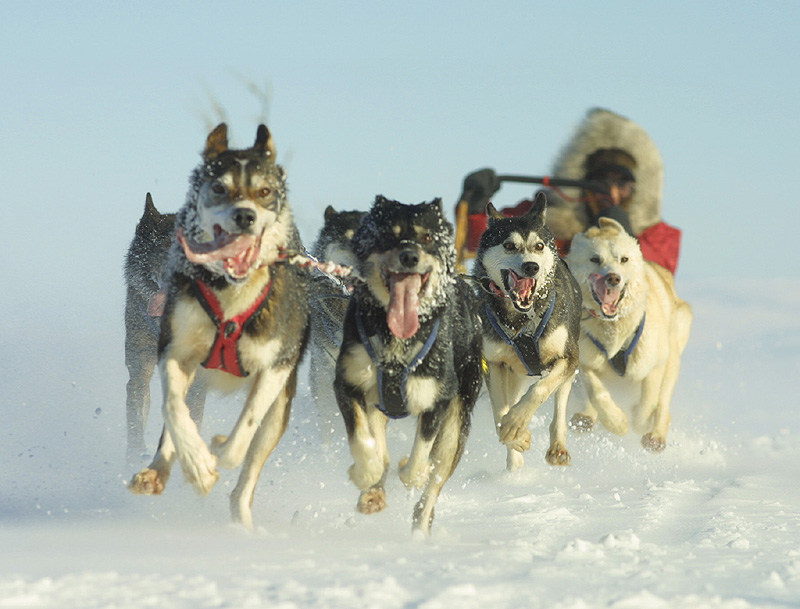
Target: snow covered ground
[(713, 522)]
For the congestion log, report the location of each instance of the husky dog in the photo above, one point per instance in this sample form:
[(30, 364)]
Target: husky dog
[(634, 329), (411, 346), (329, 299), (531, 313), (233, 310), (144, 305)]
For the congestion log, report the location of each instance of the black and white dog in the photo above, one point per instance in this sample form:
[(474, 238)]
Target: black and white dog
[(330, 296), (531, 307), (233, 309), (144, 306), (411, 346)]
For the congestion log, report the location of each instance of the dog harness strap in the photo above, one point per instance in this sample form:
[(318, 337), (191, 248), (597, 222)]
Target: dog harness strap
[(224, 354), (392, 395), (525, 345), (619, 363)]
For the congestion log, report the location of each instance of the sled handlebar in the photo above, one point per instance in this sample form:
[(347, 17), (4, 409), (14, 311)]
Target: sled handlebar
[(594, 186)]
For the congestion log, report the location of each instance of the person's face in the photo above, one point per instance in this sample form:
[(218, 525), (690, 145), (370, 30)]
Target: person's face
[(620, 191)]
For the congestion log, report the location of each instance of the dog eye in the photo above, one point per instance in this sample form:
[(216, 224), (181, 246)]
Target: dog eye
[(539, 247), (264, 193), (218, 188), (426, 238), (509, 246), (624, 259), (595, 259)]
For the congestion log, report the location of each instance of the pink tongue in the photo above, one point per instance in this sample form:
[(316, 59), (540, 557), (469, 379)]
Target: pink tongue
[(236, 250), (608, 297), (523, 285), (403, 316)]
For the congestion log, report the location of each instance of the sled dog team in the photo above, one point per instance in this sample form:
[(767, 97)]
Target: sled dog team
[(225, 285)]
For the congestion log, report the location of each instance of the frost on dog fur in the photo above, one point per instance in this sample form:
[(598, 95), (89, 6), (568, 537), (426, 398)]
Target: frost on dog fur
[(634, 332)]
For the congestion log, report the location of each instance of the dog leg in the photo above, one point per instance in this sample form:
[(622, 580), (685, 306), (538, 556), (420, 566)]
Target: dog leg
[(514, 430), (505, 390), (558, 454), (198, 464), (231, 450), (152, 479), (414, 470), (446, 453), (583, 421), (610, 415), (140, 359), (266, 438)]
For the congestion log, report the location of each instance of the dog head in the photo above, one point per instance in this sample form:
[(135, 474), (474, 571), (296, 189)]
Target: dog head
[(608, 265), (518, 255), (405, 256), (231, 221), (333, 241)]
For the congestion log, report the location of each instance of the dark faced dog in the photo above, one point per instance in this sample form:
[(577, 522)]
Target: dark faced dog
[(411, 346), (144, 306), (235, 309), (531, 309)]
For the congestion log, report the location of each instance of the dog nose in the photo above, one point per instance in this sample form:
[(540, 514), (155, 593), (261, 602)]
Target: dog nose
[(244, 217), (529, 269), (409, 258), (612, 280)]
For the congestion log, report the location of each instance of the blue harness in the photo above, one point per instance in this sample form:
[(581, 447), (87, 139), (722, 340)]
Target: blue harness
[(619, 363), (393, 392), (525, 345)]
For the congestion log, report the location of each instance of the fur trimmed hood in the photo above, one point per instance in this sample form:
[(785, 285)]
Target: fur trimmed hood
[(605, 129)]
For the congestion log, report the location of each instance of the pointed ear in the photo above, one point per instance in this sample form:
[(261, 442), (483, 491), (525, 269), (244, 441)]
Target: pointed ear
[(493, 213), (217, 141), (330, 213), (264, 143), (539, 208), (610, 223), (438, 203), (380, 200), (149, 206)]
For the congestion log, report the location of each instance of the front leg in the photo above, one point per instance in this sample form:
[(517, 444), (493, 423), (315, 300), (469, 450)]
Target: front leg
[(415, 469), (514, 430), (267, 386), (198, 464), (505, 388), (611, 416), (153, 478), (558, 454)]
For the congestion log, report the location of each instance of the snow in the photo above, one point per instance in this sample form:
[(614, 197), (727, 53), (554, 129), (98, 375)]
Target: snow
[(713, 522)]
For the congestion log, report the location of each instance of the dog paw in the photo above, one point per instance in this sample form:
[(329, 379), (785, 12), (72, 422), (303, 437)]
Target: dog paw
[(514, 460), (202, 474), (220, 449), (581, 423), (514, 431), (557, 455), (371, 501), (653, 443), (413, 478), (148, 482), (366, 475)]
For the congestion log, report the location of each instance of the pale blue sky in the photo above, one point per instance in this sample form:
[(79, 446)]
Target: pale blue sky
[(102, 102)]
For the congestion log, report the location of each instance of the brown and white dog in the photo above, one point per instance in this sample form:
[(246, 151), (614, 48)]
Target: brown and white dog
[(232, 308)]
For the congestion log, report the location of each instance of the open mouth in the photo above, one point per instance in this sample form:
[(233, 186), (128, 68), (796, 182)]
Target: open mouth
[(607, 298), (519, 289), (237, 252), (402, 315)]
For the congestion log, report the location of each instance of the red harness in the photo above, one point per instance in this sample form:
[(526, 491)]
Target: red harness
[(224, 354)]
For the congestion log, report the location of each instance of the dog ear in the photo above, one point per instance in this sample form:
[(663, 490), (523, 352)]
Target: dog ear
[(610, 223), (330, 213), (539, 208), (217, 141), (264, 143), (149, 206), (438, 203), (492, 212)]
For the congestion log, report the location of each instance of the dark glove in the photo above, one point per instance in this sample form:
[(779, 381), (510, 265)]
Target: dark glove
[(479, 187), (615, 212)]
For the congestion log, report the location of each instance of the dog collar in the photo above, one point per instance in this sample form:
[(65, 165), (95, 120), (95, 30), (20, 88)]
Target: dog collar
[(224, 354), (526, 345), (619, 363), (392, 394)]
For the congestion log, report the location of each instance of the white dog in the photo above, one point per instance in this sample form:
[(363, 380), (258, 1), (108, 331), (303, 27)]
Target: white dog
[(634, 329)]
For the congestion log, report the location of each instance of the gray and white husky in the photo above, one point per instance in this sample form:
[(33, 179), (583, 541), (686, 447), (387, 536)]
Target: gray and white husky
[(233, 308), (144, 306), (330, 296), (633, 334), (531, 321), (411, 346)]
